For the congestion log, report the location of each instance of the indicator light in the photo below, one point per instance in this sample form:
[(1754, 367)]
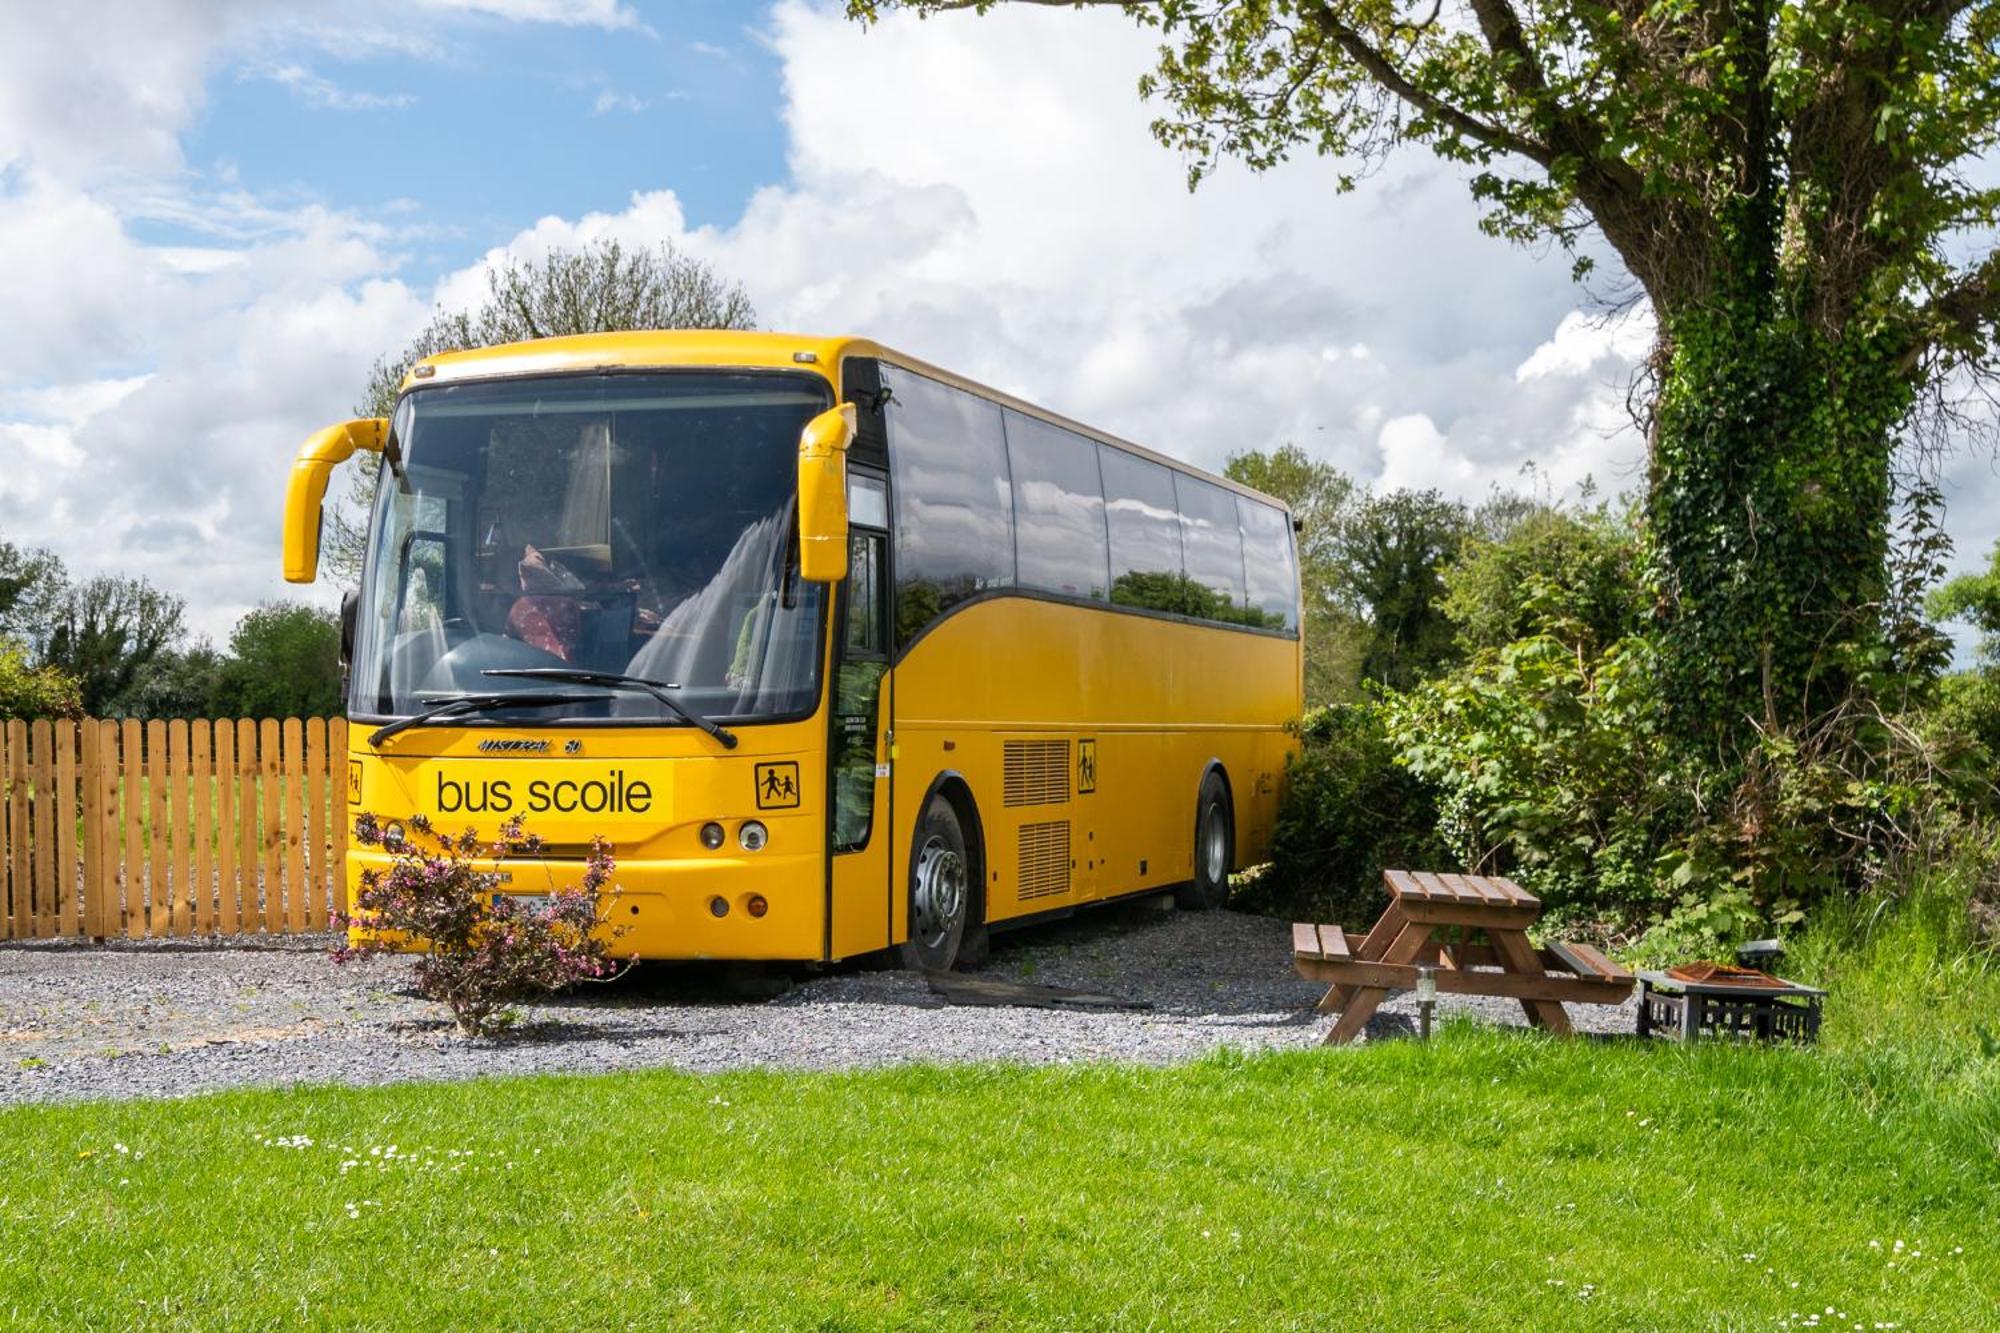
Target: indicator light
[(718, 907), (753, 836), (756, 906), (711, 835)]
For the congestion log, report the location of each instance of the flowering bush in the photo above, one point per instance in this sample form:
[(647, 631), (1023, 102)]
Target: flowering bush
[(482, 949)]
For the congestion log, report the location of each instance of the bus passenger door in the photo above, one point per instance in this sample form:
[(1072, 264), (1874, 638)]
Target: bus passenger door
[(858, 833)]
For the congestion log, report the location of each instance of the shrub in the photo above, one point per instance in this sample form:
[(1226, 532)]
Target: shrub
[(1548, 764), (1968, 706), (1579, 569), (30, 691), (1348, 810), (481, 951)]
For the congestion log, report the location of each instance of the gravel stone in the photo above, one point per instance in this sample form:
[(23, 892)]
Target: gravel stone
[(174, 1018)]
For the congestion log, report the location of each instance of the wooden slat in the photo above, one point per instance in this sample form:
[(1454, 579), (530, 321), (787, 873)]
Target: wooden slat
[(316, 858), (1482, 889), (227, 813), (103, 910), (1401, 884), (1520, 895), (1592, 960), (1436, 889), (93, 815), (1305, 940), (295, 837), (67, 901), (1475, 916), (201, 759), (1332, 941), (180, 874), (159, 888), (1506, 985), (105, 913), (19, 902), (336, 744), (42, 775), (271, 769), (132, 794), (249, 841)]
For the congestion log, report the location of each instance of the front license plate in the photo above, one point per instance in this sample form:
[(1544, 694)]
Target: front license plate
[(524, 902)]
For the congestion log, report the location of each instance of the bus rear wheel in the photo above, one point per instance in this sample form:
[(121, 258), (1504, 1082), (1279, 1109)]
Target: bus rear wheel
[(942, 884), (1214, 848)]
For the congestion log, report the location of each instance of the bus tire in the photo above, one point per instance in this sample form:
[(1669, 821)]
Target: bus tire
[(942, 884), (1214, 848)]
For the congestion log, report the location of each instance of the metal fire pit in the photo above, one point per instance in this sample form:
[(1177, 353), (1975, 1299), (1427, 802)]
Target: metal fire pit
[(1772, 1009)]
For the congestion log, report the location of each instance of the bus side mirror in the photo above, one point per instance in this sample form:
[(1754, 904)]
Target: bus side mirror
[(306, 490), (823, 495)]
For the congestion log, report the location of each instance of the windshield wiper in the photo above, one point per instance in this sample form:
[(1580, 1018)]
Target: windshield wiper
[(657, 688), (478, 703)]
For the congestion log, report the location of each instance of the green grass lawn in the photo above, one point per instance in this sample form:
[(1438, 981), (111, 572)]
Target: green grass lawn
[(1487, 1180)]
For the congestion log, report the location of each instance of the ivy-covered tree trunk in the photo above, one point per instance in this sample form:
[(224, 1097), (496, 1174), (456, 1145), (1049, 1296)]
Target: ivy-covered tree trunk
[(1768, 509)]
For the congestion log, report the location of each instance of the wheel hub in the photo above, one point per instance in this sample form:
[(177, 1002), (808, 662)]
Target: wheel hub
[(938, 904)]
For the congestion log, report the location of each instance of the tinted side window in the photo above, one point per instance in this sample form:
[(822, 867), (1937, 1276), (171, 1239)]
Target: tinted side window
[(1058, 509), (1212, 543), (1267, 564), (954, 501), (1145, 529)]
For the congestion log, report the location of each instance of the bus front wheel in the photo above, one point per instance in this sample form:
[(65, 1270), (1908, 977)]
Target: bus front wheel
[(942, 885), (1214, 848)]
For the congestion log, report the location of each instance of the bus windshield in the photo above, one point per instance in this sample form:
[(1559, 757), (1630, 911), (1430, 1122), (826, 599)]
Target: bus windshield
[(640, 523)]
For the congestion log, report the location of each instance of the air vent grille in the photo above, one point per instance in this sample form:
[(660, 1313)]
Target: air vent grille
[(1037, 772), (1044, 860)]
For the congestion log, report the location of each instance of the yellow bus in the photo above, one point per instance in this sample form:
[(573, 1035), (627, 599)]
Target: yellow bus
[(842, 653)]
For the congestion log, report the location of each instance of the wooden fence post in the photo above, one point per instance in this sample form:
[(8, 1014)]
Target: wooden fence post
[(18, 905), (227, 813), (68, 888), (180, 790), (272, 770)]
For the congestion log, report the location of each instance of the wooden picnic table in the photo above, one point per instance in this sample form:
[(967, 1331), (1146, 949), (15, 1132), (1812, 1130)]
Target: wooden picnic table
[(1432, 921)]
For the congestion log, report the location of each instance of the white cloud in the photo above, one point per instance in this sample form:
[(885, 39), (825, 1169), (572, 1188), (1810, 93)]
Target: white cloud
[(569, 13), (318, 91), (610, 99)]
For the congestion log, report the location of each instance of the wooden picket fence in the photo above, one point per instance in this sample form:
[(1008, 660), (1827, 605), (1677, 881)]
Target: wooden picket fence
[(137, 830)]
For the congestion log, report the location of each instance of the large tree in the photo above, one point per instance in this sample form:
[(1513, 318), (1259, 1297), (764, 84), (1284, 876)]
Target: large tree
[(106, 630), (284, 661), (1792, 187), (604, 287)]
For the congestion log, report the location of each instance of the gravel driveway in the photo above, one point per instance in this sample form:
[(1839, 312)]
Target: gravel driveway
[(168, 1019)]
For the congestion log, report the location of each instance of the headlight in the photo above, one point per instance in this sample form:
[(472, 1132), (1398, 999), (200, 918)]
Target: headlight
[(753, 836), (711, 835)]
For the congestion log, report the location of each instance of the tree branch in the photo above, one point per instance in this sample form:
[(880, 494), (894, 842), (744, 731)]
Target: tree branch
[(1381, 69), (1961, 310)]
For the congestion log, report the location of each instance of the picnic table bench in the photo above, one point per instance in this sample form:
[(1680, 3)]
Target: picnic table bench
[(1432, 921)]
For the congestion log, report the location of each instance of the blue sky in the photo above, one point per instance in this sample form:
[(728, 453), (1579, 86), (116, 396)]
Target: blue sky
[(492, 124), (215, 215)]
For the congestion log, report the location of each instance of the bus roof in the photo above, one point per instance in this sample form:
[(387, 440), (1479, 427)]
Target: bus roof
[(753, 350)]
